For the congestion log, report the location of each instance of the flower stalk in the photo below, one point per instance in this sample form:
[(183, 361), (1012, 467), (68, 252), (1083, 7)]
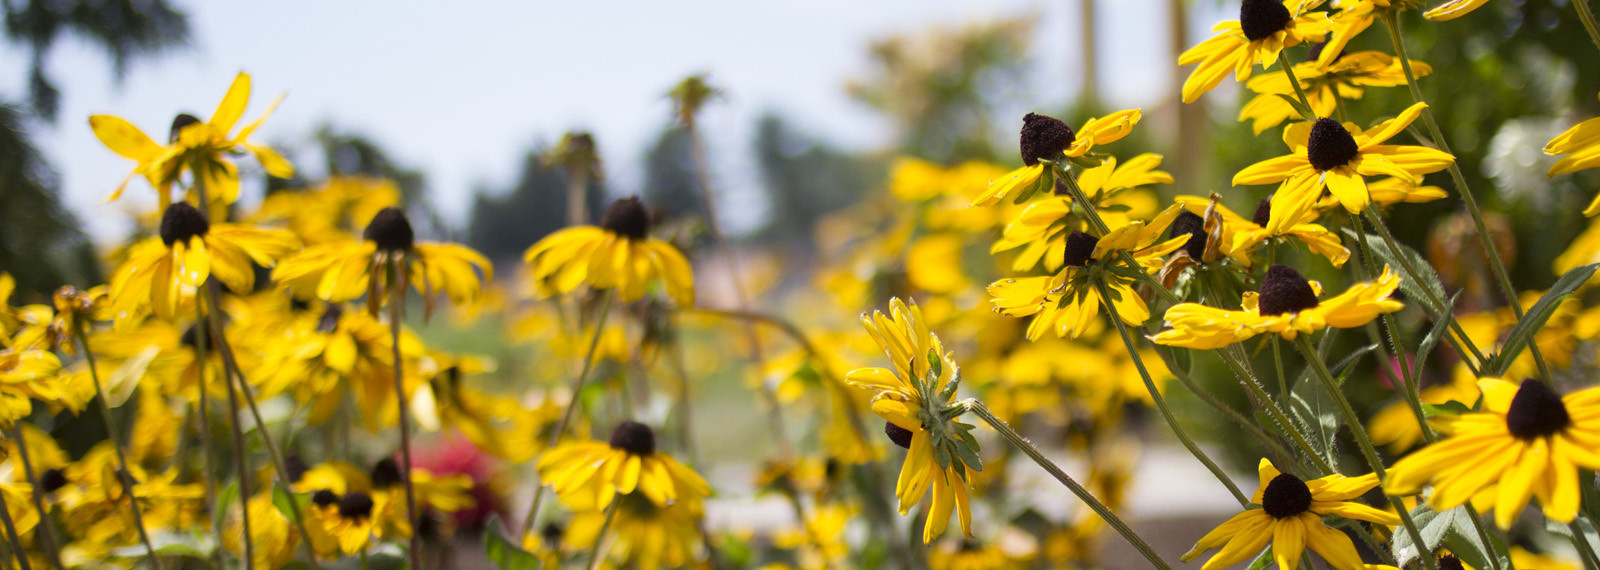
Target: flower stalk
[(20, 554), (397, 299), (532, 517), (124, 476), (46, 531), (1021, 443)]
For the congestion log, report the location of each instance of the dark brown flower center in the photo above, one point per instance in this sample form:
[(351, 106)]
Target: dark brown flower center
[(386, 473), (52, 479), (297, 468), (634, 437), (391, 230), (355, 506), (1283, 291), (1330, 146), (1195, 227), (182, 221), (324, 497), (178, 123), (627, 218), (1285, 496), (1263, 213), (1259, 19), (899, 435), (329, 321), (1536, 411), (1450, 562), (1044, 138), (1079, 249)]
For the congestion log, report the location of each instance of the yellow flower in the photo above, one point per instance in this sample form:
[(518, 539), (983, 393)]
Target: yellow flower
[(1264, 28), (969, 554), (1048, 139), (1070, 300), (342, 271), (161, 272), (324, 354), (1043, 227), (587, 475), (1241, 237), (1581, 144), (1396, 426), (325, 213), (32, 375), (1287, 305), (647, 535), (1528, 440), (915, 397), (618, 254), (1453, 9), (193, 141), (272, 539), (1290, 519), (1327, 154), (1324, 86), (350, 519)]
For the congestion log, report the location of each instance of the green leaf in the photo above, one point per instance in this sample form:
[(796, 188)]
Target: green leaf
[(1116, 208), (1465, 543), (1534, 319), (1046, 180), (1433, 527), (281, 498), (1262, 560), (1301, 108), (1450, 408), (1430, 287), (225, 500), (967, 448), (174, 544), (935, 365), (505, 553)]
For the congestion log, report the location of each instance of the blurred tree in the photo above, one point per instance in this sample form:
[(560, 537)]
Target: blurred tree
[(805, 179), (127, 29), (40, 243), (940, 87), (504, 223), (670, 187)]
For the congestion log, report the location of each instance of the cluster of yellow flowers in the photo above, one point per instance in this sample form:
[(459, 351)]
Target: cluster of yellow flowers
[(163, 419)]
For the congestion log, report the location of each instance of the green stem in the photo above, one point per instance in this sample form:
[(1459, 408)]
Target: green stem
[(397, 299), (1277, 362), (1415, 275), (1587, 17), (46, 532), (1359, 433), (202, 361), (232, 372), (1590, 561), (15, 537), (1237, 418), (1161, 404), (1300, 92), (124, 475), (572, 404), (1484, 239), (1015, 439), (1411, 383), (1260, 393), (596, 553)]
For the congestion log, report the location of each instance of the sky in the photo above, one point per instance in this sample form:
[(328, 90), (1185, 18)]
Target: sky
[(461, 90)]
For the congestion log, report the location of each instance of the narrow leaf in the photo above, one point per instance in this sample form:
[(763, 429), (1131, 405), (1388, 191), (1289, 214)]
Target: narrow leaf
[(1534, 319), (505, 553), (1429, 288)]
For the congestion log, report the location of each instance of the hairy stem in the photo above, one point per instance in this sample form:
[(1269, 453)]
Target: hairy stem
[(572, 405)]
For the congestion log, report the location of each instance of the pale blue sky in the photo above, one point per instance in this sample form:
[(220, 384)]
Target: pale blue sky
[(461, 89)]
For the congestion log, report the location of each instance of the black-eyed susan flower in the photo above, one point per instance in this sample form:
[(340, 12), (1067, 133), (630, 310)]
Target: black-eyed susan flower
[(1528, 440), (1581, 145), (1286, 305), (1069, 302), (342, 271), (643, 534), (194, 143), (916, 398), (618, 254), (588, 475), (1042, 228), (1046, 140), (1453, 9), (1290, 519), (30, 375), (1264, 28), (163, 271), (1328, 155), (1346, 77), (351, 519), (1241, 237)]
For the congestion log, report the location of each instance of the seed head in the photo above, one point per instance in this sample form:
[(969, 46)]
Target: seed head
[(1330, 146), (1536, 411), (626, 217), (1079, 249), (178, 123), (182, 221), (1285, 496), (1263, 213), (1044, 138), (391, 230), (1195, 226), (634, 438), (1283, 291), (1259, 19), (355, 505), (899, 435)]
